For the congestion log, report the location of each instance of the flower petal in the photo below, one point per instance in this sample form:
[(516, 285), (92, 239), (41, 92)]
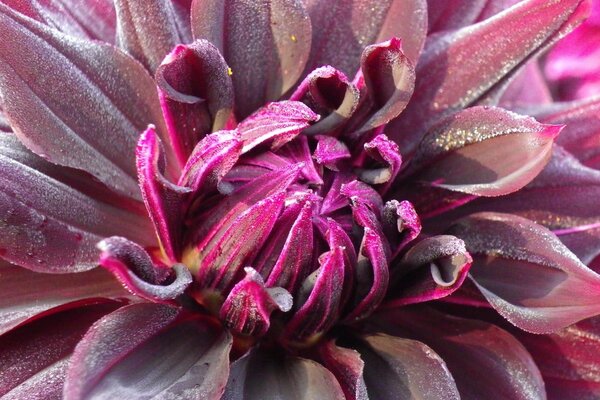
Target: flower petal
[(81, 88), (196, 94), (526, 273), (460, 67), (19, 302), (265, 43), (385, 153), (433, 268), (34, 357), (260, 375), (404, 369), (359, 24), (400, 223), (485, 361), (141, 350), (347, 366), (147, 30)]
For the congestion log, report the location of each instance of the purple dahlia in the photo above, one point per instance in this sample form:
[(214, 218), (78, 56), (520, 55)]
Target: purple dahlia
[(286, 199)]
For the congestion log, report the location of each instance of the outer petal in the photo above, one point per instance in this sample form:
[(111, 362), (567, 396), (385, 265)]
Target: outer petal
[(404, 369), (265, 42), (19, 302), (141, 351), (485, 361), (358, 24), (347, 366), (147, 30), (527, 274), (460, 67), (259, 375), (80, 89), (34, 357)]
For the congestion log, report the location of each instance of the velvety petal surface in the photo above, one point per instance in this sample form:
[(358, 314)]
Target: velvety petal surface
[(347, 366), (526, 273), (143, 351), (57, 107)]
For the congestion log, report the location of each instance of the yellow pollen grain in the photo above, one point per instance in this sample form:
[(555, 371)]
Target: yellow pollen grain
[(229, 71), (294, 38)]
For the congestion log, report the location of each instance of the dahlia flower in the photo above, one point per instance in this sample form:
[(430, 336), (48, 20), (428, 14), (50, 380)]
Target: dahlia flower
[(286, 199)]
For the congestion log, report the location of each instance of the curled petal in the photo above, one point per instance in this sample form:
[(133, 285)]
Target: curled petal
[(434, 268), (400, 223), (330, 152), (134, 268), (384, 152), (526, 273), (347, 366), (248, 306), (266, 45), (196, 94)]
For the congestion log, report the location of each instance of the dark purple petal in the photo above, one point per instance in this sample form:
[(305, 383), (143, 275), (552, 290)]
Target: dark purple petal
[(460, 67), (319, 298), (433, 268), (482, 151), (47, 226), (404, 369), (137, 272), (329, 92), (347, 366), (357, 24), (147, 30), (526, 273), (196, 94), (400, 223), (260, 375), (248, 307), (276, 123), (389, 77), (164, 200), (97, 20), (57, 107), (527, 88), (142, 351), (386, 155), (485, 361), (34, 357), (265, 43), (26, 294)]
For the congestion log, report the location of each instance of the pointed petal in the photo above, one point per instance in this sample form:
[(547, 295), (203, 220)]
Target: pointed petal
[(82, 88), (405, 369), (260, 375), (434, 268), (266, 44), (34, 357), (196, 94), (19, 302), (347, 366), (147, 30), (359, 24), (526, 273), (47, 226), (483, 151), (451, 69), (136, 271), (485, 361), (141, 350)]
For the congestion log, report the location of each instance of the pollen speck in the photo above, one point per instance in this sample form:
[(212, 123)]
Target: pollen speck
[(229, 71), (294, 38)]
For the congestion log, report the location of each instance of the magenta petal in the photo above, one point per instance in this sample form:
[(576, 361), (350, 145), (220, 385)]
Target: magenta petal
[(134, 268), (265, 45), (330, 151), (506, 152), (432, 269), (347, 366), (248, 307), (452, 66), (485, 361), (260, 375), (196, 94), (401, 225), (147, 30), (276, 123), (47, 225), (85, 87), (361, 23), (527, 88), (526, 273), (164, 200), (34, 357), (20, 303), (386, 154), (406, 368), (141, 350)]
